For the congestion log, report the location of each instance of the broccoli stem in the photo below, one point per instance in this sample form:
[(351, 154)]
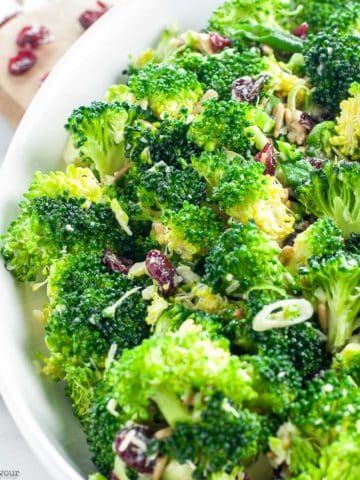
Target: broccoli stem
[(341, 322), (171, 406), (257, 137)]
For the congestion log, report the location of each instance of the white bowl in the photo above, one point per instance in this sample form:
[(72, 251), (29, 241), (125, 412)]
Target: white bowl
[(39, 407)]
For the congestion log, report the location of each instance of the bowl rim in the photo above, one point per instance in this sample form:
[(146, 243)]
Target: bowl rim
[(40, 444)]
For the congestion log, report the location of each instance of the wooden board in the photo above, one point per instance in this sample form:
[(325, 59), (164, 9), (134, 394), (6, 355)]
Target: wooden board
[(61, 17)]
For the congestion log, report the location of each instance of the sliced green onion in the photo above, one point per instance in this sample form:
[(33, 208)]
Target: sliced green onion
[(283, 313)]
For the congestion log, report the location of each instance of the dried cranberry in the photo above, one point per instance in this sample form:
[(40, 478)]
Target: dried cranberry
[(21, 62), (245, 89), (115, 263), (246, 476), (34, 36), (131, 444), (267, 156), (88, 17), (317, 163), (301, 31), (218, 42), (162, 271), (307, 121), (113, 476)]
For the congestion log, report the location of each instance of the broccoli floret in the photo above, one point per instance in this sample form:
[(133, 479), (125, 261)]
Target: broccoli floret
[(347, 129), (320, 239), (303, 344), (218, 71), (76, 182), (276, 381), (161, 141), (316, 13), (332, 63), (92, 310), (165, 368), (219, 441), (189, 232), (177, 317), (244, 258), (322, 420), (346, 18), (162, 187), (166, 89), (333, 281), (246, 194), (61, 212), (243, 192), (188, 376), (97, 133), (214, 127), (334, 192)]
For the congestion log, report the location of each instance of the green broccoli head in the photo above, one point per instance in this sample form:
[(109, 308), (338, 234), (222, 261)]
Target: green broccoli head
[(346, 18), (163, 187), (213, 128), (61, 213), (220, 441), (92, 311), (167, 89), (332, 63), (333, 282), (75, 182), (303, 344), (320, 239), (188, 232), (276, 381), (334, 192), (97, 133), (316, 13), (164, 369), (244, 258), (243, 192), (324, 419), (149, 143), (218, 71)]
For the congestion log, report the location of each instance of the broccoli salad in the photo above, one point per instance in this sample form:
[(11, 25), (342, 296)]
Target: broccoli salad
[(201, 252)]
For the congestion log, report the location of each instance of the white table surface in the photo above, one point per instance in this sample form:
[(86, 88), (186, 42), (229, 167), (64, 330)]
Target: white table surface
[(15, 455)]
